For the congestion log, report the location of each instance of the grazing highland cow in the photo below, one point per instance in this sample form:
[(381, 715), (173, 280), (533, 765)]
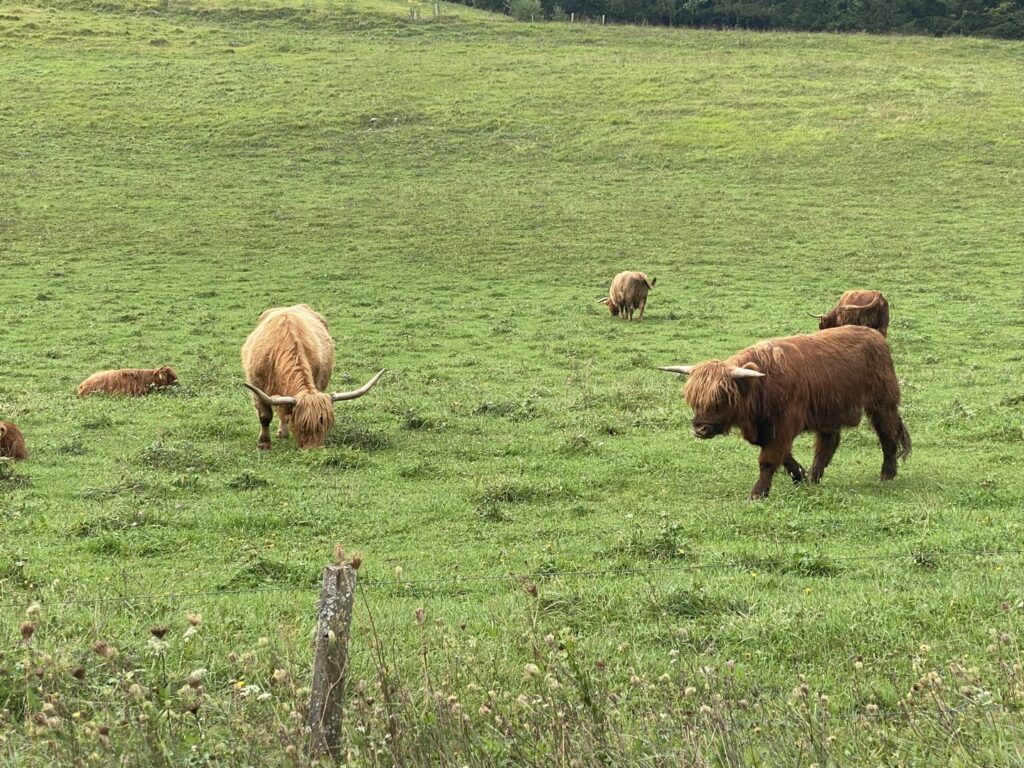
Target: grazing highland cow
[(134, 382), (288, 361), (867, 308), (628, 292), (819, 382), (12, 442)]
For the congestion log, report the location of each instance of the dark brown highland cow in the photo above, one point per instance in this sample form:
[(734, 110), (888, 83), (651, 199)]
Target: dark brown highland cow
[(133, 382), (12, 442), (627, 293), (819, 382), (288, 361), (867, 308)]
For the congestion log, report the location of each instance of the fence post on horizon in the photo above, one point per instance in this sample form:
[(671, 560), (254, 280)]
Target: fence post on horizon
[(602, 19), (572, 17), (330, 660)]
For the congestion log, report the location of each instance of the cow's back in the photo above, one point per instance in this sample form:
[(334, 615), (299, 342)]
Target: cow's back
[(826, 379), (290, 347), (629, 289)]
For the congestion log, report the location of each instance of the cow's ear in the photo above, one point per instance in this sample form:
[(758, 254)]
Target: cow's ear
[(3, 430), (752, 367)]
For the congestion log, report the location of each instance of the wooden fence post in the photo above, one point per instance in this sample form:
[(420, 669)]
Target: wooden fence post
[(330, 661)]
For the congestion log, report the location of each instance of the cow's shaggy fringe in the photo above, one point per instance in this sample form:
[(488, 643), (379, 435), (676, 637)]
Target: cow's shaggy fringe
[(710, 383), (133, 382)]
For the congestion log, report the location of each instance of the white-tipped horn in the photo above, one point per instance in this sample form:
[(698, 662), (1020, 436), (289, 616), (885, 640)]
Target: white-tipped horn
[(358, 392), (745, 373), (267, 399), (686, 370), (605, 300), (816, 317)]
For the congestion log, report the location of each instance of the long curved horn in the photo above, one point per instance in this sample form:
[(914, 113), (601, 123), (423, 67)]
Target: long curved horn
[(686, 370), (605, 300), (873, 303), (358, 392), (816, 317), (745, 373), (267, 399)]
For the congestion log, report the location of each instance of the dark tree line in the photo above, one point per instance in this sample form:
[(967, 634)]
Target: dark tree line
[(993, 18)]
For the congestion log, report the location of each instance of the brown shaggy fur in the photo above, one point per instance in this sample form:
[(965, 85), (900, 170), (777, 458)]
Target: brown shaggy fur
[(867, 308), (628, 292), (291, 354), (134, 382), (12, 442), (819, 382)]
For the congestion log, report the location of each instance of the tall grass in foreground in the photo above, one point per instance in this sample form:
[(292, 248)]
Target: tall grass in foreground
[(160, 699)]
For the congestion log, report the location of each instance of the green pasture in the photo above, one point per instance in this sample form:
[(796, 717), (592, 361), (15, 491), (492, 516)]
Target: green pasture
[(453, 194)]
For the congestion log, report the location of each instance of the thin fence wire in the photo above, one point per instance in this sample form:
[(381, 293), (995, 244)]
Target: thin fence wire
[(519, 578)]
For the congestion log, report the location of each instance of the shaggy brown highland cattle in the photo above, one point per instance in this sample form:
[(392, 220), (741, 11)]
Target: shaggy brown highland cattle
[(12, 442), (627, 293), (288, 361), (134, 382), (818, 382), (867, 308)]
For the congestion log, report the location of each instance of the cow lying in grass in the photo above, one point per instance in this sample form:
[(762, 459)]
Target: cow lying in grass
[(628, 292), (12, 442), (133, 382), (288, 361), (778, 389), (867, 308)]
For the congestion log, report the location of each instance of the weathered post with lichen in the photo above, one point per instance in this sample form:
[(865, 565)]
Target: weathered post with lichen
[(330, 659)]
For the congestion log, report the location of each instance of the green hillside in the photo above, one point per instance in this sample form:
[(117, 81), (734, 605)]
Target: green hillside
[(453, 193)]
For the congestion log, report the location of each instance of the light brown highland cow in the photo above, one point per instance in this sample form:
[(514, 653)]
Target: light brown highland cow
[(12, 442), (133, 382), (288, 361), (628, 292)]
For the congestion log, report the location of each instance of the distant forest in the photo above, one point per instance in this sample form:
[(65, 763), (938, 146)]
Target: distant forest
[(991, 18)]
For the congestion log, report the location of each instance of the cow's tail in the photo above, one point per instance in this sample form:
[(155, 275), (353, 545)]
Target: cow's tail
[(904, 442)]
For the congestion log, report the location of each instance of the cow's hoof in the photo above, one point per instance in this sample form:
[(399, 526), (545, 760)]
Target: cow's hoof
[(755, 496), (887, 476), (263, 446)]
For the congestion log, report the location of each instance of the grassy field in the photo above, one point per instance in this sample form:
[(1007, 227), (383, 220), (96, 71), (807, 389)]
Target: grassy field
[(453, 194)]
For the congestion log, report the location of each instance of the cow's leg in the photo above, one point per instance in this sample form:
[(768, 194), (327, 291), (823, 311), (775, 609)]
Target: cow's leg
[(642, 305), (889, 427), (825, 444), (266, 413), (771, 458), (284, 414), (796, 471)]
